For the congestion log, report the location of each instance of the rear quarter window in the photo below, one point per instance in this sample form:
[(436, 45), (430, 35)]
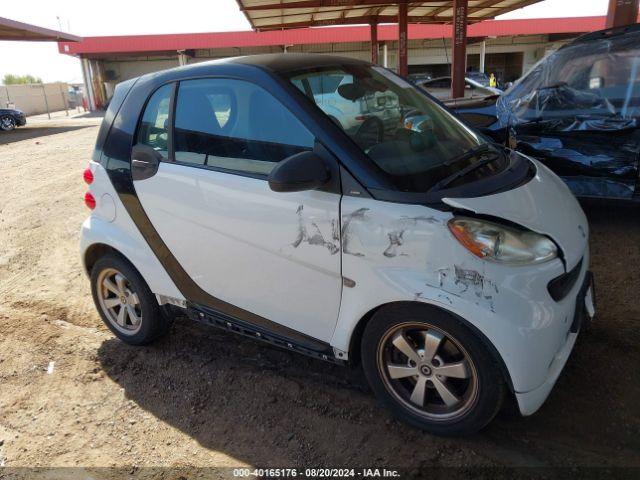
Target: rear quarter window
[(119, 95)]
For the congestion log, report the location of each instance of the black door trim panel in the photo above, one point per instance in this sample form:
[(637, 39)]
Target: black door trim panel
[(269, 332)]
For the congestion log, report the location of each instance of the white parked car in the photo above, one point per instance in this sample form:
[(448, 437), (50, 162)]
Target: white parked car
[(455, 271), (441, 88), (364, 118)]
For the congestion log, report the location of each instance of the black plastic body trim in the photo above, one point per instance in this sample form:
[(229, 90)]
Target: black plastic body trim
[(580, 316), (560, 286), (266, 331)]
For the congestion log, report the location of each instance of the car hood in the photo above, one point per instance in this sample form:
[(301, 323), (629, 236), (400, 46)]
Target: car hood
[(544, 205), (10, 111), (474, 103)]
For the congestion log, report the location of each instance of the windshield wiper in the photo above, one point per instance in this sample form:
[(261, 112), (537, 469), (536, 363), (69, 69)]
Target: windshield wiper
[(467, 170), (482, 148)]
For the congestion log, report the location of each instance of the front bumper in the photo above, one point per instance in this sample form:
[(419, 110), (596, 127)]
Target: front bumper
[(530, 402), (21, 121)]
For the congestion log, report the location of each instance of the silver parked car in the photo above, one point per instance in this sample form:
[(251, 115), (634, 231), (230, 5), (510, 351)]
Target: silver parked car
[(441, 88)]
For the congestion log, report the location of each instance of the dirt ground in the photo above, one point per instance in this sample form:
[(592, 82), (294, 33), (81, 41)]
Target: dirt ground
[(72, 395)]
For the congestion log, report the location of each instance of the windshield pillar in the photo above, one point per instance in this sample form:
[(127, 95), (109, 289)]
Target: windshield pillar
[(460, 8), (403, 40)]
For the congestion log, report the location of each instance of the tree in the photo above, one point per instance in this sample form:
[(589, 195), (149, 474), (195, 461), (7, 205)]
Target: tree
[(10, 79)]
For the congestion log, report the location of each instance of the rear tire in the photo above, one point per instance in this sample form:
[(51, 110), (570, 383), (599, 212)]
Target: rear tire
[(431, 370), (7, 123), (125, 303)]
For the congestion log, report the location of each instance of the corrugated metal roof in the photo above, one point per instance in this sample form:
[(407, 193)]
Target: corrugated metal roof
[(307, 36), (14, 30), (278, 14)]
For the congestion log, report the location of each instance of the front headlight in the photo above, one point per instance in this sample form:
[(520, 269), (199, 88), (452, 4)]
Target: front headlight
[(502, 244)]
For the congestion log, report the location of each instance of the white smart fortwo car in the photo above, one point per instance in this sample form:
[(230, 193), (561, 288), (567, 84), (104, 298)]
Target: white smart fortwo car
[(455, 271)]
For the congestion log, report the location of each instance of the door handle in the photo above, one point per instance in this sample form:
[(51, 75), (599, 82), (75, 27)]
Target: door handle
[(136, 162), (144, 162)]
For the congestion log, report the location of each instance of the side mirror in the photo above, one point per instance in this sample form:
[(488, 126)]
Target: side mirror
[(299, 172)]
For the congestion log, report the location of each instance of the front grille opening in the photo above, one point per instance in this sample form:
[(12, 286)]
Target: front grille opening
[(560, 286)]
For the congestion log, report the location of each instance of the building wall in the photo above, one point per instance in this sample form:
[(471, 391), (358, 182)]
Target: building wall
[(529, 50), (120, 70), (34, 99)]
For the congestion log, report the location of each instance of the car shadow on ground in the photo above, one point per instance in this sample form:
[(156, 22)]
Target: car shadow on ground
[(237, 395), (27, 133), (267, 406)]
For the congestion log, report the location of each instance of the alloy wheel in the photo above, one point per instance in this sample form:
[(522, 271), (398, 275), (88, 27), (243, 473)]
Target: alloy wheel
[(119, 302), (7, 123), (427, 371)]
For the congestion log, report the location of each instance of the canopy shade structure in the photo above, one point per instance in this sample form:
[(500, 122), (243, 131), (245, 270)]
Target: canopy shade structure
[(278, 14), (18, 31), (282, 14)]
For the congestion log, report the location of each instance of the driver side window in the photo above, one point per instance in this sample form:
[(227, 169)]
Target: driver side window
[(154, 126)]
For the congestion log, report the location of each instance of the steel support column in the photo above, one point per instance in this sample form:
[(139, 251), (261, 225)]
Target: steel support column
[(483, 56), (459, 47), (622, 12), (403, 27), (88, 83), (374, 42)]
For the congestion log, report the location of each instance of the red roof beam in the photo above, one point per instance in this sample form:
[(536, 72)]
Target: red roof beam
[(219, 40), (325, 3), (348, 21)]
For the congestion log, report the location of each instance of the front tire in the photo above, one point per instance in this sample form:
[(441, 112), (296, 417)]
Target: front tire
[(7, 123), (125, 302), (431, 370)]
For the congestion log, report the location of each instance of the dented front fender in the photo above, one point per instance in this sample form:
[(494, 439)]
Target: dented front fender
[(394, 252)]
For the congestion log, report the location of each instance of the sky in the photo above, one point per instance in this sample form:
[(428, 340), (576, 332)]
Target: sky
[(131, 17)]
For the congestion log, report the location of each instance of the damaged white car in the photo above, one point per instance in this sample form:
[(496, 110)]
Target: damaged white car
[(453, 270)]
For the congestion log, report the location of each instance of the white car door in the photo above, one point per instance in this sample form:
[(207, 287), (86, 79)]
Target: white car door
[(276, 255)]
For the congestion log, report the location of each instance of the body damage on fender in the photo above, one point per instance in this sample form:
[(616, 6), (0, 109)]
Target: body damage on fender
[(316, 237), (394, 233), (396, 236), (404, 242), (347, 220), (466, 280)]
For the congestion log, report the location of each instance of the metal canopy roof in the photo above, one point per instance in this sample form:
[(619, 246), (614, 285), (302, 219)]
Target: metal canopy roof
[(278, 14), (95, 47), (13, 30)]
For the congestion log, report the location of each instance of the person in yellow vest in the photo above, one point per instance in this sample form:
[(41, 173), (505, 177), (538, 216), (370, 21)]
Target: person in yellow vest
[(493, 82)]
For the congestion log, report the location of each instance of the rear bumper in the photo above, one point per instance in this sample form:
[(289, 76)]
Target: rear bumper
[(530, 402), (21, 121)]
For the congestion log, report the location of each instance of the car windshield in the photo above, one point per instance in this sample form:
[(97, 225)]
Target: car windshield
[(411, 138), (592, 85)]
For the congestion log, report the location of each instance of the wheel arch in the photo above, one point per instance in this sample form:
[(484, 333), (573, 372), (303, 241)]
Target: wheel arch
[(99, 237), (356, 336), (96, 251)]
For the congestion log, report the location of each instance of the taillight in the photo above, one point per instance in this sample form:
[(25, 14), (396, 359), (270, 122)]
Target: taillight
[(89, 200), (88, 176)]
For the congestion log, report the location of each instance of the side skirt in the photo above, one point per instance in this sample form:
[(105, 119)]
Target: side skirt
[(292, 340)]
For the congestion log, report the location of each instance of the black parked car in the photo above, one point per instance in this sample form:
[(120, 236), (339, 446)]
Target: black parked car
[(577, 111), (11, 118)]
